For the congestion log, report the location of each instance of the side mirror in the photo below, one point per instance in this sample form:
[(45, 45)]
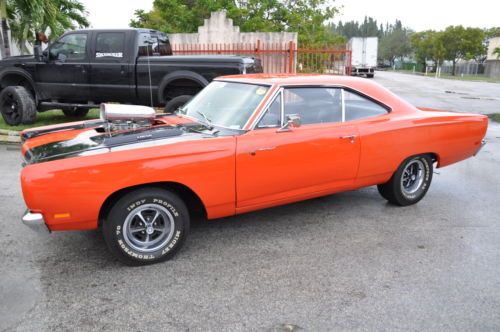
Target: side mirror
[(37, 52), (61, 58), (292, 121)]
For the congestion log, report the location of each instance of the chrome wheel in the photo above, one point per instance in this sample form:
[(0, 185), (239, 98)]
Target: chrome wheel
[(413, 177), (148, 227)]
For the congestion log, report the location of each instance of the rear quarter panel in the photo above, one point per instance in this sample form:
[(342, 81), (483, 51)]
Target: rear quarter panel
[(388, 140)]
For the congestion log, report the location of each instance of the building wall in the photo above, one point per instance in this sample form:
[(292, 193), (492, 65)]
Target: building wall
[(492, 44), (14, 49)]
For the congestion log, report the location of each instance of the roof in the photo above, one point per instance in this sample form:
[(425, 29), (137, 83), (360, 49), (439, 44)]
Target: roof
[(366, 86), (284, 79)]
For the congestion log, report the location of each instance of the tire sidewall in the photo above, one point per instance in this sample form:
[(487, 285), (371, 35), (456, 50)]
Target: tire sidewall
[(25, 103), (420, 193), (177, 102), (114, 227)]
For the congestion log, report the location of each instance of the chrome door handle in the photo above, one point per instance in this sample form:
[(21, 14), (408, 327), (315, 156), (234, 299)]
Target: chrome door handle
[(262, 149), (349, 137)]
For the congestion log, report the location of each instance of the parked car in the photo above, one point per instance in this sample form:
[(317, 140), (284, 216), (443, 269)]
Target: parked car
[(86, 67), (243, 143)]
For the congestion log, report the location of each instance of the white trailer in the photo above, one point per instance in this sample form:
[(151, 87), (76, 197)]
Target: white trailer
[(364, 55)]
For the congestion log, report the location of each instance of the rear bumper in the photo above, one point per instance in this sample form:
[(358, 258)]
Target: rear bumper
[(483, 143), (35, 221)]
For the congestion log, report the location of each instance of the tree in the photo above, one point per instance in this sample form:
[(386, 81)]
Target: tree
[(27, 17), (307, 17), (492, 32), (497, 52), (395, 43), (462, 43), (368, 28), (427, 45)]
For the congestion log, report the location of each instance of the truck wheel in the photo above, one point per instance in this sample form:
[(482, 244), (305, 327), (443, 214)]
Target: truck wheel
[(410, 182), (75, 112), (370, 75), (17, 105), (177, 102), (146, 226)]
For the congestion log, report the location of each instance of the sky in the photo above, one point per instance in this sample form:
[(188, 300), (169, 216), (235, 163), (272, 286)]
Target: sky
[(417, 15)]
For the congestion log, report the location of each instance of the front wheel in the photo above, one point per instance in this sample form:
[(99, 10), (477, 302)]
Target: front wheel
[(410, 182), (146, 226), (17, 105), (176, 102)]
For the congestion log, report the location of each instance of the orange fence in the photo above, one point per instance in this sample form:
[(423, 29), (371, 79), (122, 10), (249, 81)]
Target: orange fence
[(279, 58)]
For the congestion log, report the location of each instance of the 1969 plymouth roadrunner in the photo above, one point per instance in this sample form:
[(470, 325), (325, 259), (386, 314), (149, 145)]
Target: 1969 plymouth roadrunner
[(243, 143)]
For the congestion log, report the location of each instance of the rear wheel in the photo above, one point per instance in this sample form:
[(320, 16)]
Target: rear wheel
[(410, 182), (146, 226), (75, 112), (17, 105), (177, 102)]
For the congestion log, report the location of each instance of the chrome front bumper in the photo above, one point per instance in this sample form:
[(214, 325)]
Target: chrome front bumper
[(483, 143), (35, 221)]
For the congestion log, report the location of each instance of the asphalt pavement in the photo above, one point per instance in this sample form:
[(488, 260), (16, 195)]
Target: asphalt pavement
[(349, 261)]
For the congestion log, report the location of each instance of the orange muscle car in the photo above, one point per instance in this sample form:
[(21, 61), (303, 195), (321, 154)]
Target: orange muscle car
[(243, 143)]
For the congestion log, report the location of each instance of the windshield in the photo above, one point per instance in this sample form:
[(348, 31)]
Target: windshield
[(225, 104)]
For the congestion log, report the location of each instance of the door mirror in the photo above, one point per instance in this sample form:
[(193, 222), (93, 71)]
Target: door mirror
[(61, 58), (292, 121)]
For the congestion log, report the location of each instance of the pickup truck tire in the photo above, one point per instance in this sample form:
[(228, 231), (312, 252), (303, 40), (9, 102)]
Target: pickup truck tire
[(410, 182), (370, 75), (146, 226), (17, 105), (177, 102), (75, 112)]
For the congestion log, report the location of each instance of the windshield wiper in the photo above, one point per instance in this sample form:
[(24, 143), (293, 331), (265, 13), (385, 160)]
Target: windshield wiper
[(208, 121)]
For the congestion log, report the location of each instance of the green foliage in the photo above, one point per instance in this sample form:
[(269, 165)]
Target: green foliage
[(462, 43), (368, 28), (492, 32), (395, 42), (307, 17), (497, 52), (48, 118), (27, 17), (427, 45)]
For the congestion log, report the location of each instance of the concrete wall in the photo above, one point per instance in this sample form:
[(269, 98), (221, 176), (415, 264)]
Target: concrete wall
[(492, 44), (220, 29), (14, 49), (492, 68)]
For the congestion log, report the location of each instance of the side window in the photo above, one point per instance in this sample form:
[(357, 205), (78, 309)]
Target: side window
[(314, 105), (70, 47), (110, 45), (272, 117), (153, 45), (358, 107)]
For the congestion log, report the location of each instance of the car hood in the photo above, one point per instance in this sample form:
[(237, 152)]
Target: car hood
[(91, 141)]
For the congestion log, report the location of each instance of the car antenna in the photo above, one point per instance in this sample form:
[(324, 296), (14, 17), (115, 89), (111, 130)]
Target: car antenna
[(149, 42)]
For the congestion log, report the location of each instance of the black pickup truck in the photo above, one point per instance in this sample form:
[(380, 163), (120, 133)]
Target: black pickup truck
[(86, 67)]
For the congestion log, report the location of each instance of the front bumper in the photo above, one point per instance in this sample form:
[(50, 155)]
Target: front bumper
[(483, 143), (35, 221)]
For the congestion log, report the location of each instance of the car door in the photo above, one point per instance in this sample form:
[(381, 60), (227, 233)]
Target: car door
[(111, 67), (65, 76), (321, 155)]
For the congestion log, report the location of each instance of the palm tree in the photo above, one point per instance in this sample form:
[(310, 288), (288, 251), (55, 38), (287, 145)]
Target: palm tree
[(53, 17), (497, 52)]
